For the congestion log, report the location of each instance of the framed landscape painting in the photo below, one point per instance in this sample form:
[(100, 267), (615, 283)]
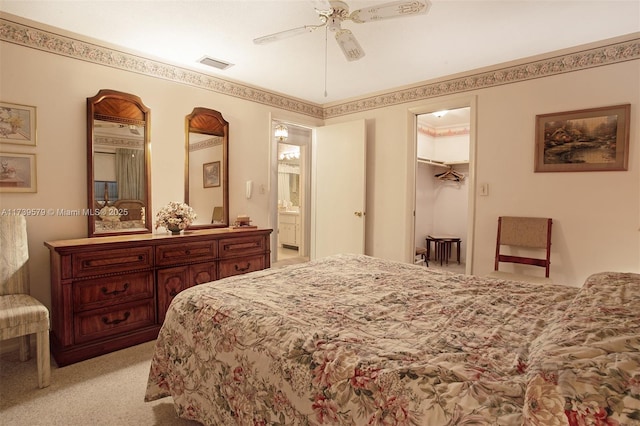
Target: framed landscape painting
[(595, 139), (17, 124), (211, 174)]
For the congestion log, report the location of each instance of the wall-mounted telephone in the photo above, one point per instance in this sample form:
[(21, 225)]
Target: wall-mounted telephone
[(249, 188)]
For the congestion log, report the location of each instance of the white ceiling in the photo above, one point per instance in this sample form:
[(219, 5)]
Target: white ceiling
[(452, 118), (454, 36)]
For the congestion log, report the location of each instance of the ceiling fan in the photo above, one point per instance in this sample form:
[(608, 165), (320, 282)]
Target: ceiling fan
[(332, 13)]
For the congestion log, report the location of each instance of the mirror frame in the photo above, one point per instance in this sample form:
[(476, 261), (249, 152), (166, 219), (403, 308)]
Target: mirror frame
[(209, 122), (118, 107)]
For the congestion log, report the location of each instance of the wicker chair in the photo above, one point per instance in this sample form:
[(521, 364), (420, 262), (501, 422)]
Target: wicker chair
[(20, 314)]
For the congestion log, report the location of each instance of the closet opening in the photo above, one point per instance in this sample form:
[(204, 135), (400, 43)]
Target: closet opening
[(443, 187)]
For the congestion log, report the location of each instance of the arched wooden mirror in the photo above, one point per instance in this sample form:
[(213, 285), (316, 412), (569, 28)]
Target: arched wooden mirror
[(118, 164), (206, 187)]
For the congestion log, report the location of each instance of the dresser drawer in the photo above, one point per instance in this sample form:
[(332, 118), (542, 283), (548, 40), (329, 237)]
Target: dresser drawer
[(97, 293), (99, 262), (172, 254), (111, 293), (101, 323), (244, 265), (242, 246)]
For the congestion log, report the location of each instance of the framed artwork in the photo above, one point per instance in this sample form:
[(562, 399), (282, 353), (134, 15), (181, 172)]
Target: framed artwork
[(17, 172), (211, 174), (17, 124), (595, 139)]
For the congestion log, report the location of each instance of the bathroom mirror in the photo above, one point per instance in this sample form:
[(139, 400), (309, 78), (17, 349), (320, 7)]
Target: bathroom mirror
[(118, 164), (206, 187)]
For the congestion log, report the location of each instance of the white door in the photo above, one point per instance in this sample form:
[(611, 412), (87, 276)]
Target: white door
[(339, 187)]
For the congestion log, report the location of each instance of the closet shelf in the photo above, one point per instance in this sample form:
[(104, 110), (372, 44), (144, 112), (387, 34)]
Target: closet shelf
[(441, 163)]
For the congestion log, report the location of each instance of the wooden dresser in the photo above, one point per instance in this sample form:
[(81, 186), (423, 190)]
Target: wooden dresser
[(110, 293)]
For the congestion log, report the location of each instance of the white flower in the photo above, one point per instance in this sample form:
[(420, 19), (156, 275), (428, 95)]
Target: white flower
[(175, 213)]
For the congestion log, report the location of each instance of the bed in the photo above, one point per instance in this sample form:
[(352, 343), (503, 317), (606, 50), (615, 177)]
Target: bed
[(356, 340)]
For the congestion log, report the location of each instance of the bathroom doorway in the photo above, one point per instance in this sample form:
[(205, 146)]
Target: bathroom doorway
[(292, 186)]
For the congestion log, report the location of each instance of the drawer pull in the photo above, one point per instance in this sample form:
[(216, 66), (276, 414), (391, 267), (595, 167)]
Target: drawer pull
[(141, 257), (114, 292), (173, 292), (187, 252), (238, 269), (116, 321)]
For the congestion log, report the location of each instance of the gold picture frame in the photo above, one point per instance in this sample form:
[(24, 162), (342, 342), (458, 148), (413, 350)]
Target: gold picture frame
[(17, 172), (17, 124), (595, 139)]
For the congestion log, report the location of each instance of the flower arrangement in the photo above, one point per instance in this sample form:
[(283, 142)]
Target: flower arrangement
[(175, 216)]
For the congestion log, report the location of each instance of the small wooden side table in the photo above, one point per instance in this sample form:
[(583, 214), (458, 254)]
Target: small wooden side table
[(443, 247)]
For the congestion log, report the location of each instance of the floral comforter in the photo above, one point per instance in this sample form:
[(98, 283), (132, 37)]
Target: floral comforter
[(584, 369), (355, 340)]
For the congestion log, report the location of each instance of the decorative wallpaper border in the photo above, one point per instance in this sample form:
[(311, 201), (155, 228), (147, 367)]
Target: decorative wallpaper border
[(35, 38), (576, 61), (206, 143), (119, 142)]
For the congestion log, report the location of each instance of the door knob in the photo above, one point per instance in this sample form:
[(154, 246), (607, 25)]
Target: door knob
[(359, 214)]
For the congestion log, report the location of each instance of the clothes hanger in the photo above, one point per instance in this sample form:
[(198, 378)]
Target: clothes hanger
[(450, 174)]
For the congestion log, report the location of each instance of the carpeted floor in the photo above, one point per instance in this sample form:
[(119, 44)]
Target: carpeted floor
[(107, 390)]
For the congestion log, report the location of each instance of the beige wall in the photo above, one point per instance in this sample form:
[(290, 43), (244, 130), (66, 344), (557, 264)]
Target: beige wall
[(58, 87), (596, 214)]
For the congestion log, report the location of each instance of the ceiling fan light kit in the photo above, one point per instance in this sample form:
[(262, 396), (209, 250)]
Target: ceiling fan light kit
[(333, 13)]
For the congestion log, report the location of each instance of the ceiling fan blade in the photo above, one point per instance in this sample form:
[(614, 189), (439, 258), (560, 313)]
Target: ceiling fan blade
[(349, 45), (396, 9), (285, 34)]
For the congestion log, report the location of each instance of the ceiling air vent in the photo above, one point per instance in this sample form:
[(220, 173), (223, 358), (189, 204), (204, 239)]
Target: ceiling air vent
[(215, 63)]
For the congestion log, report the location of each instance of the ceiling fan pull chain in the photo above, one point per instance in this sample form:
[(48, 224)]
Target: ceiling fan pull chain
[(325, 61)]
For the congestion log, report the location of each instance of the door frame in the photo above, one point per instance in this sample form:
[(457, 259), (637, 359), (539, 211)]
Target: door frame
[(412, 119), (305, 165)]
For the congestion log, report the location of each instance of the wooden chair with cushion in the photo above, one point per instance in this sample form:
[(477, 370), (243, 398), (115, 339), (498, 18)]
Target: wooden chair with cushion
[(130, 209), (20, 314), (218, 215), (421, 253), (525, 241)]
